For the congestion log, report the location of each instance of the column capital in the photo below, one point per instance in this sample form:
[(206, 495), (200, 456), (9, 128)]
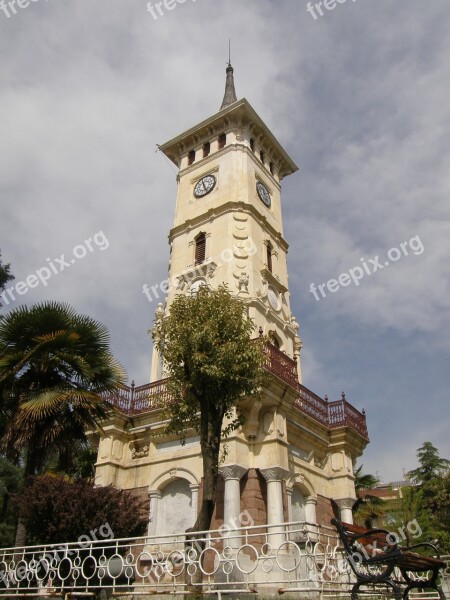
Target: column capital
[(274, 473), (154, 494), (232, 472), (194, 487), (344, 503), (311, 500)]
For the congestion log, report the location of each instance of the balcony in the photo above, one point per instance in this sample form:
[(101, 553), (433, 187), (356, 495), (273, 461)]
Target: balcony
[(132, 400)]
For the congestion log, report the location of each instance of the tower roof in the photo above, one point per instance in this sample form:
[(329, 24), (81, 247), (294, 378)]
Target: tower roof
[(238, 115), (230, 92)]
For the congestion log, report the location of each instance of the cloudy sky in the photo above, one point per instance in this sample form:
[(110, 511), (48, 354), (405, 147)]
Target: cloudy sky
[(359, 97)]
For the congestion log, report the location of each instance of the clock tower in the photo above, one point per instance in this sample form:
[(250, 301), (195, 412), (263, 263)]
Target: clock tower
[(228, 223), (292, 458)]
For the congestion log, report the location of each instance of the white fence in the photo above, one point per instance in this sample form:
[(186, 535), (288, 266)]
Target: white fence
[(285, 558)]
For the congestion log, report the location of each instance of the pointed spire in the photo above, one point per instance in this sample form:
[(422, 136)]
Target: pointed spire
[(230, 93)]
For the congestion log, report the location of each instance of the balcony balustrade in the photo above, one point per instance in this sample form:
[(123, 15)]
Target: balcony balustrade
[(134, 400)]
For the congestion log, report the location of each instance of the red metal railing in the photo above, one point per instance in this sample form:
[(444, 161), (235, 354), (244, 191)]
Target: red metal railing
[(132, 400)]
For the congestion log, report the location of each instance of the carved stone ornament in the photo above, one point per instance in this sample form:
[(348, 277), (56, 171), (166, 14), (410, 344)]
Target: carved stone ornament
[(345, 502), (274, 473), (320, 462), (294, 324), (232, 471), (243, 283), (159, 312), (136, 453), (262, 292)]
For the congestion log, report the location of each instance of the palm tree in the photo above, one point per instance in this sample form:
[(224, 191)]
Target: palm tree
[(368, 507), (55, 365)]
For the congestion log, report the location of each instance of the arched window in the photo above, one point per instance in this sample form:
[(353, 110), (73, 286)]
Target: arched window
[(191, 157), (200, 249), (222, 140), (206, 149), (269, 250)]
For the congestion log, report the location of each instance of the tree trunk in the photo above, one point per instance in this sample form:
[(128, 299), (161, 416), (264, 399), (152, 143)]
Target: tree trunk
[(210, 433), (21, 534), (30, 470)]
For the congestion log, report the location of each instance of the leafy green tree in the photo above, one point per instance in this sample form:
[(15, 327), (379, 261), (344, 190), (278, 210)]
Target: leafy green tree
[(54, 367), (56, 510), (212, 363), (431, 465), (432, 493), (368, 507), (438, 502), (5, 275)]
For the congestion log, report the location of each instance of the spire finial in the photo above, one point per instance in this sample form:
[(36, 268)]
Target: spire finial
[(230, 92)]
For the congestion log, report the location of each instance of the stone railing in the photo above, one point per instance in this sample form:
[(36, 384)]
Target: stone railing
[(132, 400)]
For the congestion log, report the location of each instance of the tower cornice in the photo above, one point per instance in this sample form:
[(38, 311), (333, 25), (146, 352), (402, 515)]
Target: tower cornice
[(223, 209), (239, 115)]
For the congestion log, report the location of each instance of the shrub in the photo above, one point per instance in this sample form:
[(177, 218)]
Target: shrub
[(55, 510)]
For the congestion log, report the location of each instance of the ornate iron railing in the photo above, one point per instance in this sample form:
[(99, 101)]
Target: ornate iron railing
[(286, 558), (278, 558), (132, 400)]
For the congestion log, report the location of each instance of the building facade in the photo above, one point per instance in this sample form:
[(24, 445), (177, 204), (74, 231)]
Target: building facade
[(292, 459)]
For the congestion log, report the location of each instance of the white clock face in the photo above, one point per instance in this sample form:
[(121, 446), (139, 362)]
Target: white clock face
[(204, 186), (273, 298), (263, 193)]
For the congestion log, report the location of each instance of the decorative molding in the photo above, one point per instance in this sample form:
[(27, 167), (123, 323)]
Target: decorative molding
[(251, 424), (205, 270), (273, 281), (226, 208)]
